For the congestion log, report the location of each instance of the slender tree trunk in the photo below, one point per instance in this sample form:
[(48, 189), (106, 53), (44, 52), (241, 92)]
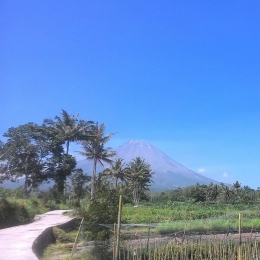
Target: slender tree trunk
[(26, 176), (93, 180), (26, 183), (65, 179), (136, 195), (67, 147)]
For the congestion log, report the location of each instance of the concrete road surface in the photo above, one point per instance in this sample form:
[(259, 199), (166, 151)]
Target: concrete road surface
[(16, 242)]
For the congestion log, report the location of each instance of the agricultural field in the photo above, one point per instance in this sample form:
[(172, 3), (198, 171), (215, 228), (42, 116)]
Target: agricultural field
[(195, 217), (176, 231)]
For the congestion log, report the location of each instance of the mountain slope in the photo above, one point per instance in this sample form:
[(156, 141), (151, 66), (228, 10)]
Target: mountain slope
[(168, 173)]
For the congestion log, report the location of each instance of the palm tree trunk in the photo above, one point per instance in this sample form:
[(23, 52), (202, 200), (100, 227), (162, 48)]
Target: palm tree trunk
[(67, 147), (93, 184), (64, 182)]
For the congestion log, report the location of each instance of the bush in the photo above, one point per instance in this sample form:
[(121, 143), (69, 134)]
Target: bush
[(103, 210), (61, 236), (4, 193), (13, 213)]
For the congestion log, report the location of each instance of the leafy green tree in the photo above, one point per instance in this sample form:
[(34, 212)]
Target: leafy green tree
[(79, 184), (24, 155), (95, 150), (32, 153), (4, 173), (59, 167), (103, 211), (139, 176), (247, 194)]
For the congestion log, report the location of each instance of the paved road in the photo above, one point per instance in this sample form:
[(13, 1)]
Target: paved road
[(16, 242)]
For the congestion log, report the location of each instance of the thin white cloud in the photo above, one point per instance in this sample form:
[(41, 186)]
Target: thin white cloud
[(202, 170), (225, 175)]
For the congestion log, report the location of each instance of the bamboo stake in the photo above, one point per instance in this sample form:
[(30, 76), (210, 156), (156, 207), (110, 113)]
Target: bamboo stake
[(118, 227), (239, 230), (76, 239), (114, 242), (149, 228)]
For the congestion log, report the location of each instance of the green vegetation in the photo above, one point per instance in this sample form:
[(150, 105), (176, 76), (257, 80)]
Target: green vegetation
[(63, 245), (40, 153), (16, 208), (178, 231)]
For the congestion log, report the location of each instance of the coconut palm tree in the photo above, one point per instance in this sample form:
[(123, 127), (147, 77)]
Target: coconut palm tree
[(212, 192), (237, 190), (66, 129), (95, 150), (139, 175), (226, 192), (117, 171)]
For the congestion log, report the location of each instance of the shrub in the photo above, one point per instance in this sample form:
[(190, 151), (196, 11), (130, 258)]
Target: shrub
[(12, 213), (103, 210), (61, 236)]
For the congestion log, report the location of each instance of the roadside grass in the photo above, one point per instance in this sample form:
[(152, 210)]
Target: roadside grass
[(63, 246), (18, 211), (57, 251)]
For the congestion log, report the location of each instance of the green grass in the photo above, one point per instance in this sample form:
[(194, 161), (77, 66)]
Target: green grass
[(194, 217), (17, 211), (57, 250)]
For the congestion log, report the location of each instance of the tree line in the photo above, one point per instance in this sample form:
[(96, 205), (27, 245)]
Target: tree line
[(41, 153), (212, 193)]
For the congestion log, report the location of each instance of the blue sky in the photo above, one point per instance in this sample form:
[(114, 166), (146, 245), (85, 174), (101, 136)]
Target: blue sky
[(183, 75)]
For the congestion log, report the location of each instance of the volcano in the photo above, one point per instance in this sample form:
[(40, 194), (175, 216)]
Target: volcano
[(168, 174)]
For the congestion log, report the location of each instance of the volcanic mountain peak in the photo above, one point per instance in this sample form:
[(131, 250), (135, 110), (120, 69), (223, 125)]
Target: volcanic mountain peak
[(168, 173), (155, 157)]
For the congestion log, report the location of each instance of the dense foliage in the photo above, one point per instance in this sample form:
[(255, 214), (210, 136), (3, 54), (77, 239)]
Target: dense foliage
[(40, 153)]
